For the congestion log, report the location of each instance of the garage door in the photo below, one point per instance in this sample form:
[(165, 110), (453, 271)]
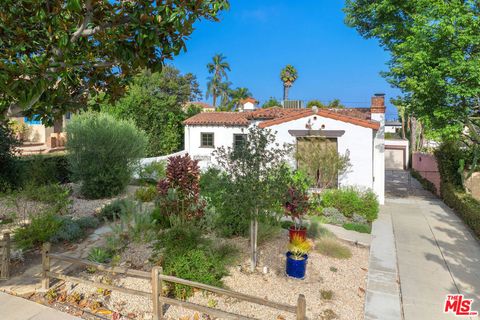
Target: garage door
[(394, 159)]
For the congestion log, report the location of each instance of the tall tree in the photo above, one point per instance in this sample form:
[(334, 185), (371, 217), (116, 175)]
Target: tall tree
[(435, 52), (54, 53), (288, 75), (218, 69), (157, 103), (237, 96)]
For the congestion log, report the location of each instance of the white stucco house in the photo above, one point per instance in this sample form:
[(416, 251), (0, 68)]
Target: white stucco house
[(358, 131)]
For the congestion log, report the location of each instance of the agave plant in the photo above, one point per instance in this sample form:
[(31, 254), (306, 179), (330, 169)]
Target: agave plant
[(299, 247)]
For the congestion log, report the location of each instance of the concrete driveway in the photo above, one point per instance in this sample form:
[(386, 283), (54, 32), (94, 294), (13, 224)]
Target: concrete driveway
[(436, 253)]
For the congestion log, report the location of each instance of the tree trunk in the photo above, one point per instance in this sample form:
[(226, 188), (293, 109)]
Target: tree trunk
[(403, 126), (214, 100), (413, 134), (58, 124), (253, 242), (285, 93)]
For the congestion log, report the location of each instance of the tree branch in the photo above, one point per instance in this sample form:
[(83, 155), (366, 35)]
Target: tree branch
[(86, 20)]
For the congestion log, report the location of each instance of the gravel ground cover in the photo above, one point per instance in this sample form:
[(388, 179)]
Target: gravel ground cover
[(334, 289)]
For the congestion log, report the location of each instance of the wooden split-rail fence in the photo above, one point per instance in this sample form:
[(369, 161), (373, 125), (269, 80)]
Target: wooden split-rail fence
[(156, 277), (5, 257)]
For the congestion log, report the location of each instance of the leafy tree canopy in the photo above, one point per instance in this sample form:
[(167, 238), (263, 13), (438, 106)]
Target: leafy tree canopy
[(435, 61), (158, 103), (54, 53), (272, 102), (435, 52), (334, 104)]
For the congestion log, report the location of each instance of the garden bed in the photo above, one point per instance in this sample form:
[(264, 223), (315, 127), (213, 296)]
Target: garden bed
[(331, 287)]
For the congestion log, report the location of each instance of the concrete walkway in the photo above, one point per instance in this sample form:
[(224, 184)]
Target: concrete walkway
[(436, 253), (15, 308)]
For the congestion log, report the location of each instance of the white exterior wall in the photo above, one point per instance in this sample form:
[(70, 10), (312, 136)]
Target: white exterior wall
[(379, 157), (223, 136), (356, 140), (390, 129), (248, 106)]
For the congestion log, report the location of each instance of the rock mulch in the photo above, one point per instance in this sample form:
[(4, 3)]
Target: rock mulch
[(345, 278)]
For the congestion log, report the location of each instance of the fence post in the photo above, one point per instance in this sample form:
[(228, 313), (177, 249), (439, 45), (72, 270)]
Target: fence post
[(301, 307), (157, 293), (45, 266), (5, 263)]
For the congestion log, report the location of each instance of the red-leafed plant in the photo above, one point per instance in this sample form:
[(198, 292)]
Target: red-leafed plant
[(296, 205), (179, 191)]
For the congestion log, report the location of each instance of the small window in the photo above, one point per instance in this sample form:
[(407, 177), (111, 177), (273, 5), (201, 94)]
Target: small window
[(239, 140), (206, 140)]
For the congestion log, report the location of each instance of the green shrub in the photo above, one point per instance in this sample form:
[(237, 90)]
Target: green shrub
[(55, 195), (187, 255), (362, 228), (113, 210), (333, 248), (464, 205), (8, 171), (103, 152), (146, 194), (151, 173), (41, 229), (351, 200), (49, 227), (160, 219), (428, 185), (195, 265), (180, 239), (230, 219), (44, 169)]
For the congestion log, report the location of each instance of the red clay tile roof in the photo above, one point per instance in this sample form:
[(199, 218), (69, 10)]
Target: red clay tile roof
[(249, 99), (277, 115), (218, 118)]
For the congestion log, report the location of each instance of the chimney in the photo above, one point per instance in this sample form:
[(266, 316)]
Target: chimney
[(378, 103), (377, 109)]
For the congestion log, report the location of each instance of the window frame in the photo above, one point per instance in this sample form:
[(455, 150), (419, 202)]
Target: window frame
[(213, 140), (235, 135)]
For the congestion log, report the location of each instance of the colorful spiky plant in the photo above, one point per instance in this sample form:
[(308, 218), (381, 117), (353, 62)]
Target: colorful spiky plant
[(299, 247)]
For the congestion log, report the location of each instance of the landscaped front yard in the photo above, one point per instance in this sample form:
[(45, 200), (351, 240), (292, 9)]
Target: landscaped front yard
[(196, 226)]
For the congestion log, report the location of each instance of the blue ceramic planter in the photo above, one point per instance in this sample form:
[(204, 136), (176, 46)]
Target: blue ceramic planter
[(296, 268)]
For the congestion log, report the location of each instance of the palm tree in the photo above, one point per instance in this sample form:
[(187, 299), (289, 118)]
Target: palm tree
[(288, 76), (218, 68), (237, 95), (224, 91)]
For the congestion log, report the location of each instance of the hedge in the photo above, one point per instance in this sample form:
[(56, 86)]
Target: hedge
[(464, 204), (427, 184), (43, 169), (453, 194)]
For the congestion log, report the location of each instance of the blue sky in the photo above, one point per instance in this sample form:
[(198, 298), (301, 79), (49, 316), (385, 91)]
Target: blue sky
[(259, 37)]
